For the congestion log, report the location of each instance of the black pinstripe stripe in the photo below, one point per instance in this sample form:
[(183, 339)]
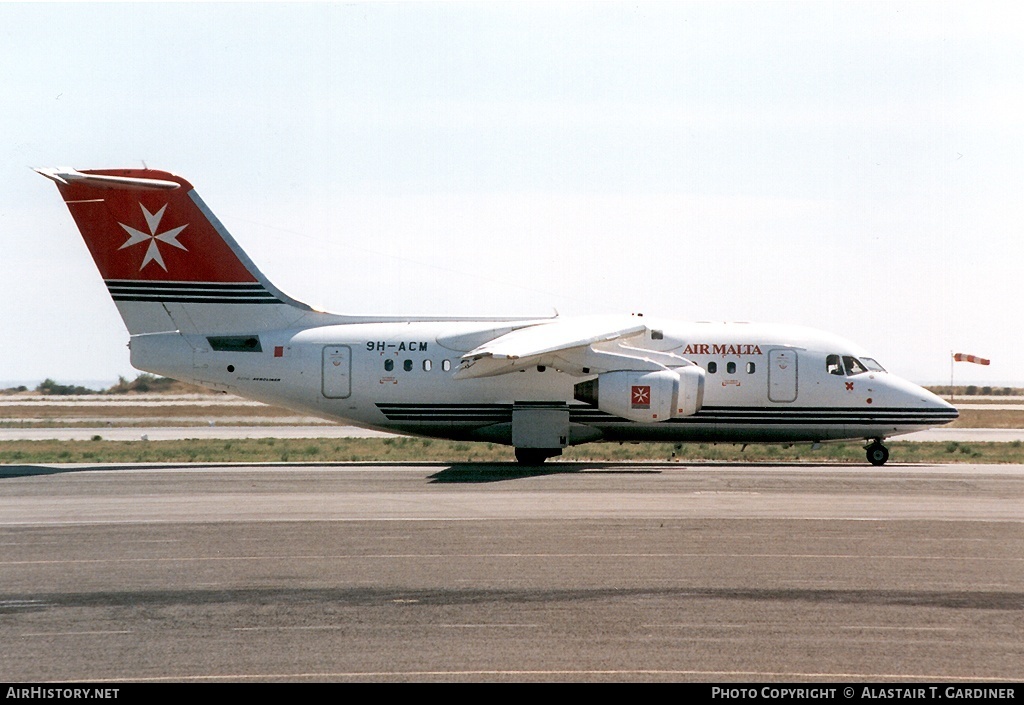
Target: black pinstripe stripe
[(189, 292), (734, 416)]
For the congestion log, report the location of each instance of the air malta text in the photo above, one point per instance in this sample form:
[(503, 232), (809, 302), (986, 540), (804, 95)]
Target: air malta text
[(407, 346), (720, 349)]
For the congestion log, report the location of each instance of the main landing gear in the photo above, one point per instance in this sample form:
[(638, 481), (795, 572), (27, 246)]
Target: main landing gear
[(877, 453), (535, 456)]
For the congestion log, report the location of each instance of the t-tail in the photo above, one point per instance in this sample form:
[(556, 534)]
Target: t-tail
[(168, 262)]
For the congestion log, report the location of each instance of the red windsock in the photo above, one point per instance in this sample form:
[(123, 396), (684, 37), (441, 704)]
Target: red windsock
[(964, 357)]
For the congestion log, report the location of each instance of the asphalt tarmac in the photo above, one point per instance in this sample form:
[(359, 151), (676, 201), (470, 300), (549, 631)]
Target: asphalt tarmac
[(489, 572)]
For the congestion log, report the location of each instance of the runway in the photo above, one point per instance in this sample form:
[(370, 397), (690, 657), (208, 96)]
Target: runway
[(576, 572)]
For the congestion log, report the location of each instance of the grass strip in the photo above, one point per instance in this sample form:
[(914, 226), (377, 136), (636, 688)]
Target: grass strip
[(428, 450)]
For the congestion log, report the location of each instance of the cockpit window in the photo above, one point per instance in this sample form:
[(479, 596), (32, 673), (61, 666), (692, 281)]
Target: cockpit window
[(849, 365), (853, 366), (834, 365), (872, 365)]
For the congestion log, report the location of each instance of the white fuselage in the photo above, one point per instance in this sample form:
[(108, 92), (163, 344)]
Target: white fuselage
[(761, 383)]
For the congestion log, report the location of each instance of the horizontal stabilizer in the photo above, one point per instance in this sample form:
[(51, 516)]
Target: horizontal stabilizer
[(68, 176)]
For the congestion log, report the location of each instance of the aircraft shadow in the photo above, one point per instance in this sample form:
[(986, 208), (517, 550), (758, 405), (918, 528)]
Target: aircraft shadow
[(495, 472), (12, 471), (500, 472)]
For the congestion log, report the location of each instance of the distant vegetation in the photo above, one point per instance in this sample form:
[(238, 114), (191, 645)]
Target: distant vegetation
[(971, 390), (48, 386), (143, 384), (151, 384)]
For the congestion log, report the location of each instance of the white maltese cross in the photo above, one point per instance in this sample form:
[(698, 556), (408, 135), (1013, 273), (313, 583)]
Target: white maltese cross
[(153, 251)]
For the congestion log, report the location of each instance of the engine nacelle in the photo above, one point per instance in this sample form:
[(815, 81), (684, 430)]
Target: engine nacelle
[(647, 397)]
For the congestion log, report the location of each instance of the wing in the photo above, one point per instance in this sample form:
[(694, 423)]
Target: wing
[(578, 347)]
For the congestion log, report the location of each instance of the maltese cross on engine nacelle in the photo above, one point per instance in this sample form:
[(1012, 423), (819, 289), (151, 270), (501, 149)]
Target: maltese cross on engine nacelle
[(646, 397)]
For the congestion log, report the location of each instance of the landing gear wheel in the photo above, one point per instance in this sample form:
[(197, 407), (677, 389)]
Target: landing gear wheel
[(877, 454), (531, 456)]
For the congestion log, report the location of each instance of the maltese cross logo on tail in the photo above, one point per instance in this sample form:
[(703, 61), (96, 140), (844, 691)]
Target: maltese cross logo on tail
[(136, 237)]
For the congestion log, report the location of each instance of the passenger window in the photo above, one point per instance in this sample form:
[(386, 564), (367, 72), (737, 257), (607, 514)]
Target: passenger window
[(712, 368), (834, 365), (730, 368), (426, 365), (407, 365), (389, 365), (446, 365), (750, 368)]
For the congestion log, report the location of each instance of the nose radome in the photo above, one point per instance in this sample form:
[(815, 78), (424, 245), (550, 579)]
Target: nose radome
[(913, 396), (935, 403)]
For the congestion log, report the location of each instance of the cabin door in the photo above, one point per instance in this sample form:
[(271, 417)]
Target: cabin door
[(337, 382), (782, 375)]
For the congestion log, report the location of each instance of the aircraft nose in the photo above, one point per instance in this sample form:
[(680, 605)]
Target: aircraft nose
[(924, 406), (948, 407), (943, 411)]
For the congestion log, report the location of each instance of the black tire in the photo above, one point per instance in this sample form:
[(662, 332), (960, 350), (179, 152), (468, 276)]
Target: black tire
[(531, 456), (877, 454)]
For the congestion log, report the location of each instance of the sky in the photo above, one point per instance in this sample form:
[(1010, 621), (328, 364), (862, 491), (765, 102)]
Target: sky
[(852, 166)]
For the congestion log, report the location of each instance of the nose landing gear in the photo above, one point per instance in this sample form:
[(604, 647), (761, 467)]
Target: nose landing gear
[(877, 453)]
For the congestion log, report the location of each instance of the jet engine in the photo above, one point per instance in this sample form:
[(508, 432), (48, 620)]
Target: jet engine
[(647, 397)]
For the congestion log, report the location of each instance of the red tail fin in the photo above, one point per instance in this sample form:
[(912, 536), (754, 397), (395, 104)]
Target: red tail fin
[(143, 225), (168, 262)]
